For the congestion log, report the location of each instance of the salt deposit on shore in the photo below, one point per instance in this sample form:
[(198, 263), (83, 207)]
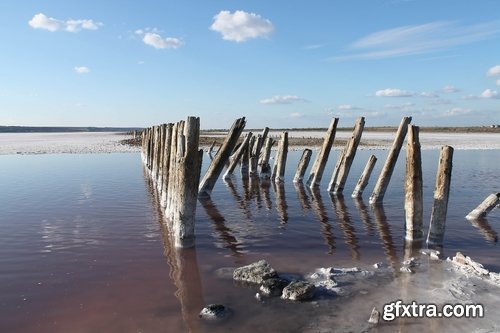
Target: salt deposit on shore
[(63, 143), (109, 142)]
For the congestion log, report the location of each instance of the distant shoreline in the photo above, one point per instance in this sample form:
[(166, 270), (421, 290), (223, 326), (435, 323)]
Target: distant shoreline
[(57, 129)]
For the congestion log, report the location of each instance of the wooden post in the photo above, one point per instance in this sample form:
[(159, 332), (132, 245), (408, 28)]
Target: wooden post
[(238, 155), (365, 177), (413, 186), (187, 168), (485, 207), (214, 170), (441, 195), (385, 176), (265, 169), (254, 156), (322, 157), (278, 174), (264, 134), (166, 164), (211, 149), (301, 169), (339, 176), (245, 158)]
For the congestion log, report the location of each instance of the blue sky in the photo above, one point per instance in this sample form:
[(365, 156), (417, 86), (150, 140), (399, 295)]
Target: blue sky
[(279, 63)]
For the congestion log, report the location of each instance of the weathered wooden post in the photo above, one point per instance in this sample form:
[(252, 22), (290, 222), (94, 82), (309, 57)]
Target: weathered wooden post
[(365, 177), (211, 149), (385, 176), (254, 156), (264, 134), (320, 162), (187, 170), (214, 170), (339, 176), (441, 195), (245, 158), (166, 164), (485, 207), (265, 169), (238, 155), (278, 174), (301, 169), (413, 186)]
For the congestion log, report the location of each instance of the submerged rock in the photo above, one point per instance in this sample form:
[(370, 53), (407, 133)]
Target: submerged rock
[(374, 317), (299, 291), (214, 312), (273, 286), (255, 273)]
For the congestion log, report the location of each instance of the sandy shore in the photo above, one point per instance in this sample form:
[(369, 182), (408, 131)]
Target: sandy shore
[(109, 142)]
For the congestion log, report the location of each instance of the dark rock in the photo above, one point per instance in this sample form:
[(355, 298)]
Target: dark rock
[(299, 291), (256, 272), (273, 286), (214, 312)]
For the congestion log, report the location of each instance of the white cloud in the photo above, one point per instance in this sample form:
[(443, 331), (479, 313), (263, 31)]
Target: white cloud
[(391, 92), (241, 26), (158, 42), (347, 107), (41, 21), (449, 89), (458, 111), (490, 94), (296, 115), (498, 82), (440, 101), (287, 99), (493, 71), (81, 69), (314, 46), (420, 39), (428, 94)]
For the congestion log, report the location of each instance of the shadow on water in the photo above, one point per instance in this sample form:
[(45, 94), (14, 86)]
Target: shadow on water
[(326, 227), (225, 234), (344, 221)]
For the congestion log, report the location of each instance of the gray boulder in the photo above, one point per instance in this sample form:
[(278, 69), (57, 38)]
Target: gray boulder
[(214, 312), (273, 286), (255, 273), (299, 291)]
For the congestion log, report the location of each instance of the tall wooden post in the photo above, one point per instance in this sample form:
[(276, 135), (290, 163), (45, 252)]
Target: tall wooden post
[(365, 177), (385, 176), (214, 170), (238, 156), (254, 156), (320, 162), (339, 176), (265, 169), (301, 169), (166, 164), (278, 174), (441, 195), (413, 186)]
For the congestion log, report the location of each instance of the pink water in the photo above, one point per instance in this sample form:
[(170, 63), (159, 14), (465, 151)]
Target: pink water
[(82, 248)]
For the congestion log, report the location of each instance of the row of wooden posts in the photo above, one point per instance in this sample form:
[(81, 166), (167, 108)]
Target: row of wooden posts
[(171, 154)]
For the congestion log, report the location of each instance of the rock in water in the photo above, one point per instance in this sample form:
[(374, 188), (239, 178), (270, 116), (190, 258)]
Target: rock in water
[(273, 286), (374, 317), (299, 291), (256, 272), (214, 312)]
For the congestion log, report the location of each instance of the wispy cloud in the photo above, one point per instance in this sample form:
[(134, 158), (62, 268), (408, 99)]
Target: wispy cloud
[(392, 92), (41, 21), (449, 89), (490, 94), (153, 38), (241, 26), (347, 107), (296, 115), (314, 46), (458, 111), (286, 99), (403, 107), (493, 71), (419, 39), (428, 94), (498, 82), (81, 69)]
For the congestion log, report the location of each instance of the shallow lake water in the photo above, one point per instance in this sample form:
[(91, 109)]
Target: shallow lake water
[(82, 248)]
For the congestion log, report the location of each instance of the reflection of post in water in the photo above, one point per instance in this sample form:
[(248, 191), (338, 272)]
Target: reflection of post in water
[(365, 217), (225, 233), (242, 204), (183, 271), (281, 205), (266, 191), (344, 220), (486, 230), (385, 234), (302, 195), (326, 228), (255, 191), (412, 249)]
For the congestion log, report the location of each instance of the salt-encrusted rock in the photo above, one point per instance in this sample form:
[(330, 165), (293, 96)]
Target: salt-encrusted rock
[(214, 312), (467, 263), (299, 291), (374, 316), (405, 269), (323, 279), (380, 265), (256, 272), (412, 262), (273, 286), (433, 254)]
